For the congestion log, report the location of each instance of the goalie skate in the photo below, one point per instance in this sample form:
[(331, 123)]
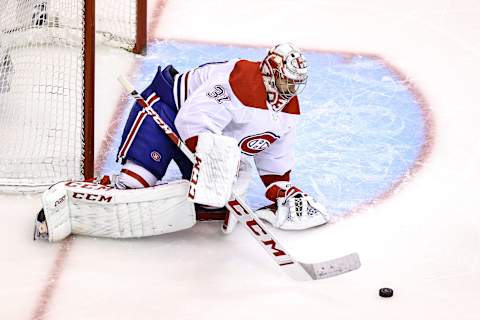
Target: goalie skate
[(41, 229)]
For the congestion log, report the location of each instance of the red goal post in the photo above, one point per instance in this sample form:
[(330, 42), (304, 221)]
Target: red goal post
[(47, 74)]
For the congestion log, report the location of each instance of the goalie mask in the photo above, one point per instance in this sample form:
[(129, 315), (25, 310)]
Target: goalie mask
[(284, 72)]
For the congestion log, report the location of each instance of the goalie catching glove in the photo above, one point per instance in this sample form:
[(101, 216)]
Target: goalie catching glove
[(292, 209)]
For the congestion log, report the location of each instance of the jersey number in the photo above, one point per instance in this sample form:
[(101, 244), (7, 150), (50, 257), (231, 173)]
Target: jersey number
[(219, 94)]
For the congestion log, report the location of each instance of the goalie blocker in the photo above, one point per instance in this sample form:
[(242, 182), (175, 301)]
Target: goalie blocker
[(215, 170)]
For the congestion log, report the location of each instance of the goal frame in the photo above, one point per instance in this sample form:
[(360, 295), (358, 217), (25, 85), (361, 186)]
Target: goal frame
[(89, 74), (92, 25), (89, 89)]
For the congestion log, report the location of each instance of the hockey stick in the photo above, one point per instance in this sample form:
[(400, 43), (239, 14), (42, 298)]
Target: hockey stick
[(297, 270)]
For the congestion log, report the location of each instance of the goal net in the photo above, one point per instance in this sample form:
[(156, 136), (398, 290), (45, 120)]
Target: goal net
[(46, 59)]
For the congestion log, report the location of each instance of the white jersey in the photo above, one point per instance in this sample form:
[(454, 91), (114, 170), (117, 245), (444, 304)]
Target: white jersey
[(229, 98)]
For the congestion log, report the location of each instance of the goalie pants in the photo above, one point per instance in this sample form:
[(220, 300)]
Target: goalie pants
[(143, 142)]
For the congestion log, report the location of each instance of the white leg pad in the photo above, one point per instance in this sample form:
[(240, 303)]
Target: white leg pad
[(57, 212), (95, 210)]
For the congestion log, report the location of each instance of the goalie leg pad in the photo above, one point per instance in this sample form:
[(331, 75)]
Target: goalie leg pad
[(91, 209), (57, 212)]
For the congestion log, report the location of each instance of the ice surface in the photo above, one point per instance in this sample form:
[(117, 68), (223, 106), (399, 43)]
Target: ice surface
[(422, 239), (362, 128)]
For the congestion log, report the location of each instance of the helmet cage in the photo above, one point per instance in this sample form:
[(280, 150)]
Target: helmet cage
[(286, 73)]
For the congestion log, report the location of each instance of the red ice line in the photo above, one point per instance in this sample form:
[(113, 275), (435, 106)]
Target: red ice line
[(41, 307)]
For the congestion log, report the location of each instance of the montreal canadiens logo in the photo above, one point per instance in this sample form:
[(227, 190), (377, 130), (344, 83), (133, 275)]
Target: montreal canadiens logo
[(156, 156), (256, 143)]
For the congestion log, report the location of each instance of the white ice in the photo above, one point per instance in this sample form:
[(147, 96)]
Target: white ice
[(423, 241)]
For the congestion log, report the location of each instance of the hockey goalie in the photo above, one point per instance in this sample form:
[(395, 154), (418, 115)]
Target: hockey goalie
[(227, 113)]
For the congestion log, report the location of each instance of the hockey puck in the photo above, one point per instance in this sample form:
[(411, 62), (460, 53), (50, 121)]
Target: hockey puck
[(385, 292)]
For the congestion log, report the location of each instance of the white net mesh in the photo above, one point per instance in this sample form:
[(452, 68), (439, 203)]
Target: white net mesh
[(117, 26), (42, 87)]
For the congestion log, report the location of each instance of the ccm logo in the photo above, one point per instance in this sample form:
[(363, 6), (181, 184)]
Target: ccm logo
[(257, 230), (60, 201), (91, 197), (194, 178), (87, 185)]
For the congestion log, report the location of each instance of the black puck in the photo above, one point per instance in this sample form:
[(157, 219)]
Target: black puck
[(385, 292)]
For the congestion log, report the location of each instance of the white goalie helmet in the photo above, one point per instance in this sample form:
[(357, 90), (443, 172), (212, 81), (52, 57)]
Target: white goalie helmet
[(284, 71)]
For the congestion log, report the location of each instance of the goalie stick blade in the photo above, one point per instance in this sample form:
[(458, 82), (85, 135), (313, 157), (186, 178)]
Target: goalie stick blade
[(331, 268)]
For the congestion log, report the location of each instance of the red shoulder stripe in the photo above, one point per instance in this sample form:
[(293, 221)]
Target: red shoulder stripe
[(247, 84)]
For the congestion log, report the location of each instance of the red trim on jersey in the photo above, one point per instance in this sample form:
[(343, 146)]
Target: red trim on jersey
[(268, 179), (192, 143), (291, 191), (136, 176), (274, 192), (247, 84)]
